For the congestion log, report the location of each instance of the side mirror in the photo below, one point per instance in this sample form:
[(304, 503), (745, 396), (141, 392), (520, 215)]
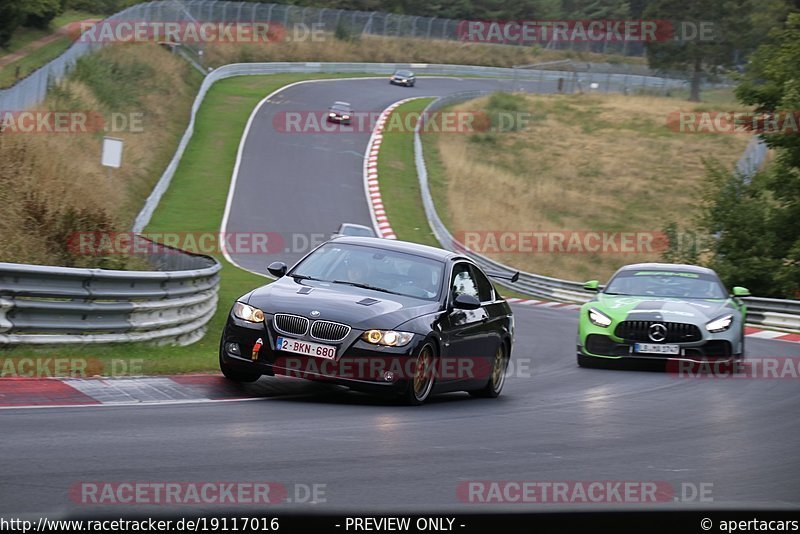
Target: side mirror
[(466, 302), (740, 291), (591, 285), (277, 268)]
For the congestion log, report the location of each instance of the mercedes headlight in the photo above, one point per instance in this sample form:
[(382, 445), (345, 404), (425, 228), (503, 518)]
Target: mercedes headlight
[(248, 313), (599, 318), (389, 338), (721, 324)]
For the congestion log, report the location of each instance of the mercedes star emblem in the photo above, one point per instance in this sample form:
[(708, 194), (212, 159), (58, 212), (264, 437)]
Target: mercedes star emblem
[(657, 332)]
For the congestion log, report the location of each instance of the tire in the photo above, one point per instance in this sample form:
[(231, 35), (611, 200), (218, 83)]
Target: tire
[(419, 389), (235, 374), (498, 377)]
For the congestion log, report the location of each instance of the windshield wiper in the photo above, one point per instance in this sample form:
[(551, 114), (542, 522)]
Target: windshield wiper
[(303, 277), (365, 286)]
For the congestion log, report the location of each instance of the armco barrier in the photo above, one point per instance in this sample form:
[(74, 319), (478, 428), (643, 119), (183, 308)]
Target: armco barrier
[(769, 313), (61, 305)]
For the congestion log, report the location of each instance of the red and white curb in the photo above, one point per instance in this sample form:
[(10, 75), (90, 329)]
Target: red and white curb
[(371, 185), (85, 392), (544, 303), (749, 331)]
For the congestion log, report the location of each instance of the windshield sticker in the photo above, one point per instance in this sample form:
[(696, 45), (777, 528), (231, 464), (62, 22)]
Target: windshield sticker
[(666, 273)]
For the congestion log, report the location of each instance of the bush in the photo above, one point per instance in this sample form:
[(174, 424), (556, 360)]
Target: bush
[(115, 84), (344, 33), (104, 7), (40, 13), (11, 16)]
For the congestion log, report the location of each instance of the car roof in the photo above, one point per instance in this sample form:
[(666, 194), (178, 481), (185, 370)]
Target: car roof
[(398, 246), (667, 267), (338, 103)]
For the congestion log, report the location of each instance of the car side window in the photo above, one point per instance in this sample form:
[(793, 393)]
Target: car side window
[(485, 288), (462, 281)]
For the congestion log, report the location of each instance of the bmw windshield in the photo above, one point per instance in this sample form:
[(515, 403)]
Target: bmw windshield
[(373, 268)]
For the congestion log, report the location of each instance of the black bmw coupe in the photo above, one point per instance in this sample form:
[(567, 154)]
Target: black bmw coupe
[(376, 315)]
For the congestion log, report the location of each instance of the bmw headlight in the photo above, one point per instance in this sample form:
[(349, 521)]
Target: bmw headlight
[(345, 116), (721, 324), (331, 114), (389, 338), (599, 318), (248, 313)]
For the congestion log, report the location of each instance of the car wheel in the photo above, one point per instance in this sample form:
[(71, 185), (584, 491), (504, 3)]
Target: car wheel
[(498, 375), (420, 387), (235, 374)]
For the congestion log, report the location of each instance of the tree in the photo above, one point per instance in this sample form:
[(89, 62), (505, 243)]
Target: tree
[(739, 215), (698, 53), (11, 16), (771, 84), (39, 13)]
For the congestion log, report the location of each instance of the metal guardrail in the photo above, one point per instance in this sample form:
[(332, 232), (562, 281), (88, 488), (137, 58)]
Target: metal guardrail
[(61, 305), (770, 313)]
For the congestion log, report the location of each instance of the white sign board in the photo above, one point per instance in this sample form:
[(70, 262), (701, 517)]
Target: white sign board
[(112, 152)]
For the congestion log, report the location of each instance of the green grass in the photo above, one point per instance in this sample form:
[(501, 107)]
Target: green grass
[(195, 202), (398, 181), (39, 57), (23, 36), (33, 61)]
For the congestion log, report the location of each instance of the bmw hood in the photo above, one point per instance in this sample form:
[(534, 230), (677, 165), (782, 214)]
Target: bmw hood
[(673, 310), (362, 309)]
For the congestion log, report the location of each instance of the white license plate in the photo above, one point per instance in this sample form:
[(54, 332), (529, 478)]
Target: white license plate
[(306, 347), (652, 348)]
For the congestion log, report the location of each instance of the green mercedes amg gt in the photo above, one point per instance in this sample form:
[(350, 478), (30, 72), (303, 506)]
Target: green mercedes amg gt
[(661, 311)]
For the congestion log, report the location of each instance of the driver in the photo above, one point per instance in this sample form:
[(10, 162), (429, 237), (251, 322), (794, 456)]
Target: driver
[(420, 277), (356, 272)]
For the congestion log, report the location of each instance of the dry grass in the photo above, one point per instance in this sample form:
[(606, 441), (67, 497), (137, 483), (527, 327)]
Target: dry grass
[(396, 50), (52, 185), (587, 163)]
